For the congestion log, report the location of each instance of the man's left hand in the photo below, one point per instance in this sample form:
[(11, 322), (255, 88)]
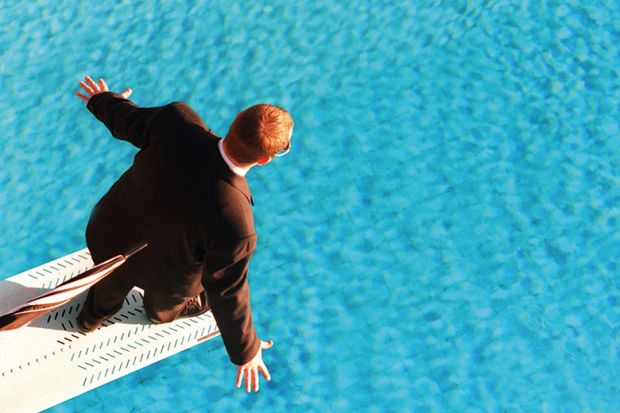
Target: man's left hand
[(93, 88)]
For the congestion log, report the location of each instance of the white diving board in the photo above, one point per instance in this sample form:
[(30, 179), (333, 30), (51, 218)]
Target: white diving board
[(51, 360)]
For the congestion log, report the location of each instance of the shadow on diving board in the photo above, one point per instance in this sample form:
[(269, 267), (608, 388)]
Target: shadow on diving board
[(51, 360)]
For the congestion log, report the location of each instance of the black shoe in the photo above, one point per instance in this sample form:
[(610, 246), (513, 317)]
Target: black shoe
[(87, 322), (195, 306)]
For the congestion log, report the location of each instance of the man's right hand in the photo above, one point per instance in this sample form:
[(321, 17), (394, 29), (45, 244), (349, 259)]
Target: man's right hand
[(249, 371), (93, 89)]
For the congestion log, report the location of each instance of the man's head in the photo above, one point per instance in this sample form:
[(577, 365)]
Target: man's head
[(259, 133)]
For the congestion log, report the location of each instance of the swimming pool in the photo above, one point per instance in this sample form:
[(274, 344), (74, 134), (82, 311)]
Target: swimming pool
[(441, 236)]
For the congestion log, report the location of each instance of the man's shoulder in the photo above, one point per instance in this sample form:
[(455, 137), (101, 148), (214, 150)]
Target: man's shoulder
[(231, 212), (182, 112), (231, 201)]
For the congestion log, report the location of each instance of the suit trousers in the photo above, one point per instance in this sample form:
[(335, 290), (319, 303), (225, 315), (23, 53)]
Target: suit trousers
[(106, 298)]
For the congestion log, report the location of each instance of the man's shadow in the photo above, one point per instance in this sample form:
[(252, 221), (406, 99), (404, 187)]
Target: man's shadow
[(13, 294), (63, 318)]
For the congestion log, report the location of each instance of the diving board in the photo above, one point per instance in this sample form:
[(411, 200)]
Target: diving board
[(51, 360)]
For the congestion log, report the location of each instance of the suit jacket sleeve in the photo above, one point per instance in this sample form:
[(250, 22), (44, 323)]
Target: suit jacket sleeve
[(124, 119), (225, 279)]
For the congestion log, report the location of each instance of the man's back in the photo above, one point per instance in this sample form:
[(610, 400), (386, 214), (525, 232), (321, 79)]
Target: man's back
[(180, 197)]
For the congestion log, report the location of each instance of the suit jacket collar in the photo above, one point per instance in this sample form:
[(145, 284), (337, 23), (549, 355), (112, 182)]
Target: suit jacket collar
[(237, 181)]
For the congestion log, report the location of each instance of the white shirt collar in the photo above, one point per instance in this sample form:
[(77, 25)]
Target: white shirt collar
[(236, 169)]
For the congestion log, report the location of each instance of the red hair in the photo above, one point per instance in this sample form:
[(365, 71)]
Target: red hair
[(258, 132)]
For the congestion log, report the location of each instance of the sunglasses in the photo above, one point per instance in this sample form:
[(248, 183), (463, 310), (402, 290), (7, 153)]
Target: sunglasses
[(285, 150)]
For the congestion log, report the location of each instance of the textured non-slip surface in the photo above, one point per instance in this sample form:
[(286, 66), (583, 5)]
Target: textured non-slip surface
[(443, 235)]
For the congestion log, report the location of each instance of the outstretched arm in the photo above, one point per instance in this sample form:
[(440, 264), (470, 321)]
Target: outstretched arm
[(225, 281), (123, 118)]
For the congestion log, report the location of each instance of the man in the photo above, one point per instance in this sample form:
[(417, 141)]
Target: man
[(187, 197)]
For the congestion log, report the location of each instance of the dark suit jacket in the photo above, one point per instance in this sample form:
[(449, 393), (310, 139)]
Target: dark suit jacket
[(182, 198)]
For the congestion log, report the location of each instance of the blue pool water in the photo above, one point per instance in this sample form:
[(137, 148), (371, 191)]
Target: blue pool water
[(443, 236)]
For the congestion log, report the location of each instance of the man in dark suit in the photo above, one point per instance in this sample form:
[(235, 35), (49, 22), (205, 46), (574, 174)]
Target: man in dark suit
[(186, 196)]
